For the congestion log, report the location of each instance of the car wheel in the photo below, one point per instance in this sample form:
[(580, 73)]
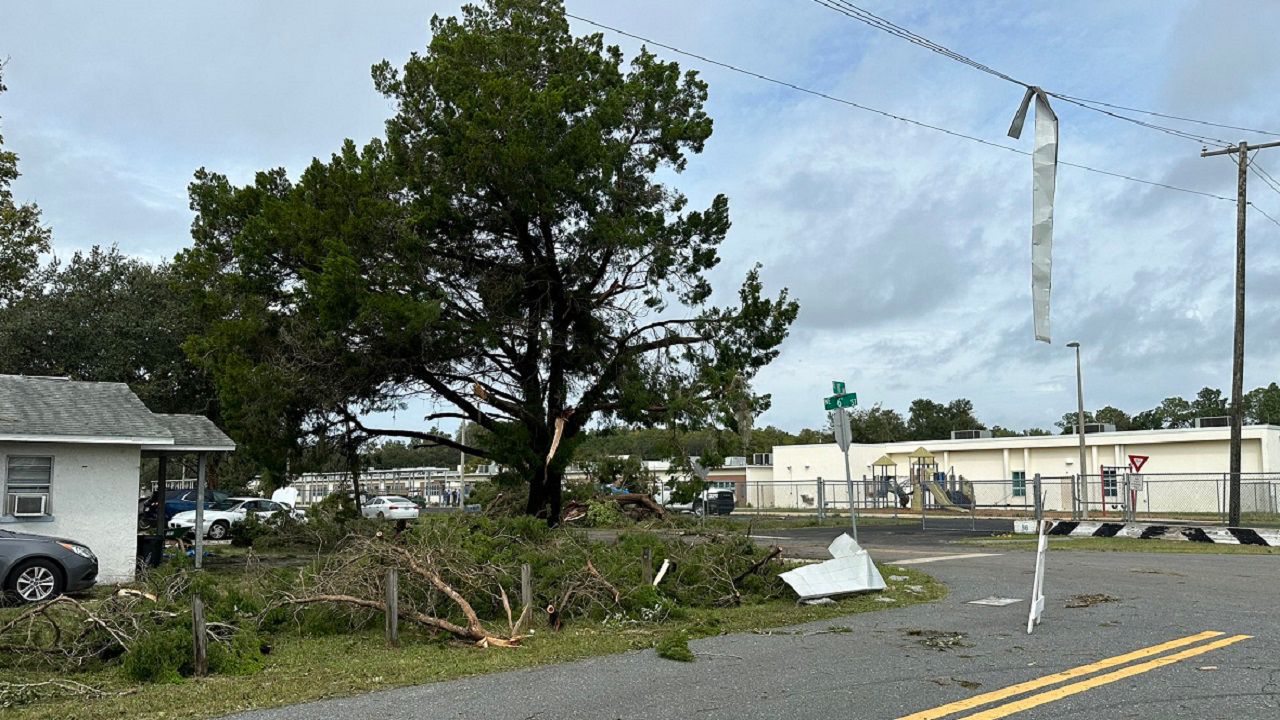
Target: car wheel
[(381, 515), (36, 581), (219, 530)]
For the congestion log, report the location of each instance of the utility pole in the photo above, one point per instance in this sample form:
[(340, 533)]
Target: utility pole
[(1081, 474), (1237, 357)]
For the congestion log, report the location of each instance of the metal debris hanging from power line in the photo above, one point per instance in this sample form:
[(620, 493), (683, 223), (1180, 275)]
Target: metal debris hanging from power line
[(1044, 179)]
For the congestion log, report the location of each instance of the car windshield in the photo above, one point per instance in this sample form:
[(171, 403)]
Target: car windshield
[(398, 499)]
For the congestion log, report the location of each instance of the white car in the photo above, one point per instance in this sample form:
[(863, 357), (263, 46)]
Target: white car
[(390, 507), (219, 518)]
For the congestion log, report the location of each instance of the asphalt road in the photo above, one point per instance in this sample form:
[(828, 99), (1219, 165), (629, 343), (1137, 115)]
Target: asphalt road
[(884, 668)]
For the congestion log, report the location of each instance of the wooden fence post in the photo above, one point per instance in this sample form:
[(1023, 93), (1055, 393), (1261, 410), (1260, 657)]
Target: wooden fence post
[(198, 635), (646, 566), (392, 613)]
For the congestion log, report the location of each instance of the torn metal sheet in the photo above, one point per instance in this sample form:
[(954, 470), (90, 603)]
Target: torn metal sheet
[(1044, 180), (849, 570), (286, 495)]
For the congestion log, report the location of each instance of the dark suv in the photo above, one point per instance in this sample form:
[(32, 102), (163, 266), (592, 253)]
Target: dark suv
[(34, 568), (175, 501)]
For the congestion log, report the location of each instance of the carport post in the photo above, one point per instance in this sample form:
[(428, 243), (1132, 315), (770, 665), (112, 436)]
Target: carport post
[(200, 471), (158, 555)]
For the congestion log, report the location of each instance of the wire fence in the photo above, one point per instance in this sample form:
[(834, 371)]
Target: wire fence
[(948, 502)]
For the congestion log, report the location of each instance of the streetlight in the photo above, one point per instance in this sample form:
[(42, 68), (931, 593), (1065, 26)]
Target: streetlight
[(1081, 473)]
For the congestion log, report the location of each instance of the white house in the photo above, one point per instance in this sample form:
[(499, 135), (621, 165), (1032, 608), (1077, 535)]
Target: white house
[(70, 456)]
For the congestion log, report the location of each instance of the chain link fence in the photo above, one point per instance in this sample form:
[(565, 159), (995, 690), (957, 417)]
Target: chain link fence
[(992, 505)]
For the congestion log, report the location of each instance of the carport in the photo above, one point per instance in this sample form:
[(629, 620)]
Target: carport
[(192, 435)]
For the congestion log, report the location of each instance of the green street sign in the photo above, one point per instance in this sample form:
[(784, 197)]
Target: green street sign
[(847, 400), (837, 387)]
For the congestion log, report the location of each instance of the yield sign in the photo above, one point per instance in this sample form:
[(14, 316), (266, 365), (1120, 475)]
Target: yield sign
[(1137, 461)]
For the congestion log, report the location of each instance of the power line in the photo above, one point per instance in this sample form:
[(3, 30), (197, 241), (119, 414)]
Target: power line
[(1167, 116), (1266, 180), (1264, 214), (867, 17), (882, 113), (1262, 173), (1205, 139)]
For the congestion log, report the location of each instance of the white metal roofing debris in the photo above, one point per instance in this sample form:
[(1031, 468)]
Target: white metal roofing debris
[(849, 570)]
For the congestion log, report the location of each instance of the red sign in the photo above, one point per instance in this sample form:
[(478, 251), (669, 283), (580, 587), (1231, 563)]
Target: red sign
[(1137, 461)]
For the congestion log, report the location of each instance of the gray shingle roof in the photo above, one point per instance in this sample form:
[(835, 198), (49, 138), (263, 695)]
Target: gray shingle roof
[(195, 431), (41, 407)]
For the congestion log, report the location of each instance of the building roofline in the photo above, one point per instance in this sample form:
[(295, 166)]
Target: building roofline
[(159, 442), (1143, 437)]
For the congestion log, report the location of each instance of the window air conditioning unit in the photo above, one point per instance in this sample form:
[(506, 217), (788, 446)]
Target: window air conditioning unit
[(1212, 422), (970, 434), (1093, 428), (29, 505)]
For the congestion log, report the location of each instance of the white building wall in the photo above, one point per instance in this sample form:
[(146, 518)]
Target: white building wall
[(93, 500), (989, 464)]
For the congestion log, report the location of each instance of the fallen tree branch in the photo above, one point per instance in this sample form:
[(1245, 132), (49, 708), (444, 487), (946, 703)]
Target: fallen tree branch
[(481, 638), (775, 552), (617, 596)]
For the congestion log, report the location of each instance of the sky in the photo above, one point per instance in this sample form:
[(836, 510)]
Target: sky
[(908, 249)]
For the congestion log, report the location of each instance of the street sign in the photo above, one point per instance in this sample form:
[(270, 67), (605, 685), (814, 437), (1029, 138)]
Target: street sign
[(840, 421), (837, 387), (846, 400), (1137, 461)]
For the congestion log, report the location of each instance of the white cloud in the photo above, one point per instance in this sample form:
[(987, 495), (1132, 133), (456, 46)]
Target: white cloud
[(908, 249)]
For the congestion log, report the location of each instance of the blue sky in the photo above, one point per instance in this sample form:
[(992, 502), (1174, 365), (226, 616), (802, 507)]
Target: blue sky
[(908, 249)]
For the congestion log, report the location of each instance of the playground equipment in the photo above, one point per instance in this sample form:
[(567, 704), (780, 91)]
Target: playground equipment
[(884, 480), (923, 466), (945, 491)]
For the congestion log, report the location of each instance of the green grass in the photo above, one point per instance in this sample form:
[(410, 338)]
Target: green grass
[(1124, 545), (302, 669)]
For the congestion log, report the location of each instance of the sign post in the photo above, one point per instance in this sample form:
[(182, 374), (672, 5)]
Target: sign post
[(1037, 583), (1135, 483), (838, 404)]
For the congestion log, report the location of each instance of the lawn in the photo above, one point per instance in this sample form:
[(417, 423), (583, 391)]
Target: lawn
[(300, 669)]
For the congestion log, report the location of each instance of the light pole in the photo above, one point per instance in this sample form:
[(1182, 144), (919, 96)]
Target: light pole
[(1081, 473)]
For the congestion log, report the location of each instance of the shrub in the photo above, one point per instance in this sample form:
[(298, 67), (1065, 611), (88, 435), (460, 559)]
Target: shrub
[(161, 656), (603, 513), (167, 655), (245, 532), (675, 646)]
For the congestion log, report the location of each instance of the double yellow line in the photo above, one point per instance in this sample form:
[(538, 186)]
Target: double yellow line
[(1059, 693)]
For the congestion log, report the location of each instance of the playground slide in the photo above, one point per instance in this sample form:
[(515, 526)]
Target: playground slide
[(941, 497)]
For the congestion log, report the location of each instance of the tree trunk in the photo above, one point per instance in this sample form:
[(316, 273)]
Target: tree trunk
[(545, 494), (555, 479), (537, 493)]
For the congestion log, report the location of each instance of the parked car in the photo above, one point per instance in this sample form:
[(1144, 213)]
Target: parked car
[(175, 501), (390, 507), (34, 568), (219, 518), (712, 501)]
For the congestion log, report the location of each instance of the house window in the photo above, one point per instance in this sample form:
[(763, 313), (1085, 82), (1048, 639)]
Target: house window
[(1019, 483), (27, 482), (1110, 485)]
